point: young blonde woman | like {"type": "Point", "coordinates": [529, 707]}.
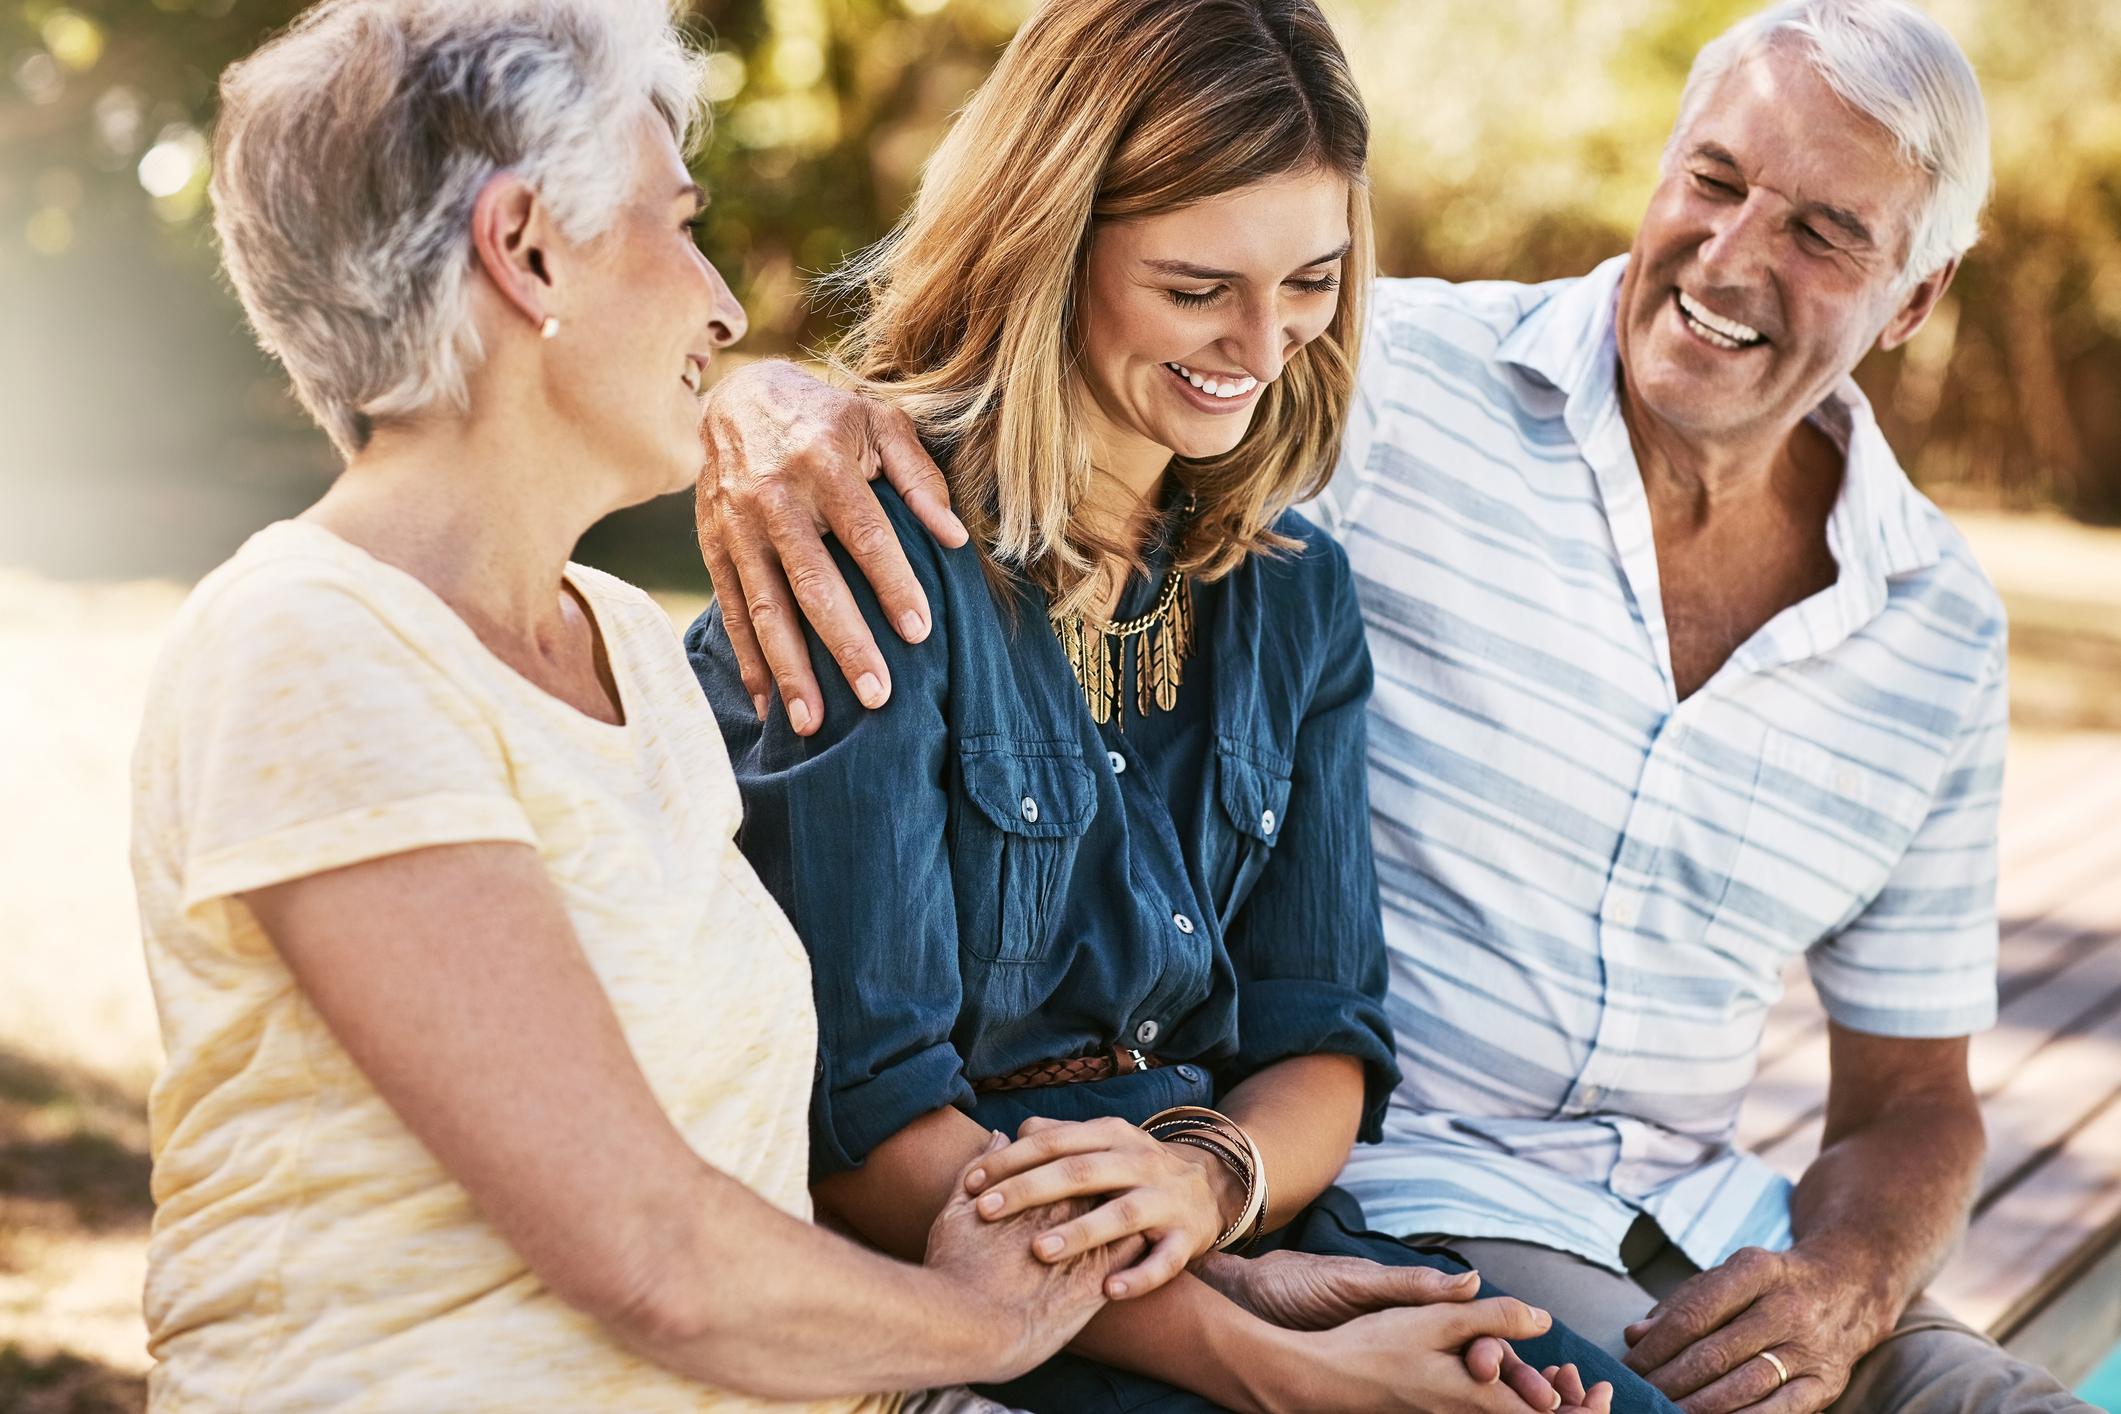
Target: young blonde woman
{"type": "Point", "coordinates": [1098, 876]}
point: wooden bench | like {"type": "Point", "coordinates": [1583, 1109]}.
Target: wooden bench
{"type": "Point", "coordinates": [2041, 1266]}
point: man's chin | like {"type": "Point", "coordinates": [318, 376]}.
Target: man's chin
{"type": "Point", "coordinates": [1700, 396]}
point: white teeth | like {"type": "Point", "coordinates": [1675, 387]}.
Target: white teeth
{"type": "Point", "coordinates": [692, 375]}
{"type": "Point", "coordinates": [1724, 333]}
{"type": "Point", "coordinates": [1215, 387]}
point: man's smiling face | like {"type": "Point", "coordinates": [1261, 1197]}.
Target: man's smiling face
{"type": "Point", "coordinates": [1770, 257]}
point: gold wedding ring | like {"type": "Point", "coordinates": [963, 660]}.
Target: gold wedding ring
{"type": "Point", "coordinates": [1782, 1371]}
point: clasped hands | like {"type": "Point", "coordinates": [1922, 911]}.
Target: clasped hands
{"type": "Point", "coordinates": [1379, 1336]}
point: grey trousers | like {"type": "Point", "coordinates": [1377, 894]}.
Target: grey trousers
{"type": "Point", "coordinates": [1932, 1363]}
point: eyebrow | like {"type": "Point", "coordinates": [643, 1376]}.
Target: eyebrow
{"type": "Point", "coordinates": [694, 190]}
{"type": "Point", "coordinates": [1840, 217]}
{"type": "Point", "coordinates": [1202, 272]}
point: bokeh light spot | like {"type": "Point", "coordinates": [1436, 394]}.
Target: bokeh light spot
{"type": "Point", "coordinates": [725, 77]}
{"type": "Point", "coordinates": [74, 39]}
{"type": "Point", "coordinates": [39, 78]}
{"type": "Point", "coordinates": [50, 231]}
{"type": "Point", "coordinates": [798, 62]}
{"type": "Point", "coordinates": [119, 120]}
{"type": "Point", "coordinates": [171, 163]}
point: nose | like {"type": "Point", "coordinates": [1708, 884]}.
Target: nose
{"type": "Point", "coordinates": [1260, 343]}
{"type": "Point", "coordinates": [726, 324]}
{"type": "Point", "coordinates": [1739, 240]}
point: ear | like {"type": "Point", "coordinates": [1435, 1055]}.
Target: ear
{"type": "Point", "coordinates": [514, 240]}
{"type": "Point", "coordinates": [1916, 306]}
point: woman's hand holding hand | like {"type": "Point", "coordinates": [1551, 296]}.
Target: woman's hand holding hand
{"type": "Point", "coordinates": [1177, 1197]}
{"type": "Point", "coordinates": [1040, 1305]}
{"type": "Point", "coordinates": [1448, 1358]}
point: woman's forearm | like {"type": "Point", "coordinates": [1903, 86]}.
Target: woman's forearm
{"type": "Point", "coordinates": [1188, 1334]}
{"type": "Point", "coordinates": [746, 1297]}
{"type": "Point", "coordinates": [1303, 1114]}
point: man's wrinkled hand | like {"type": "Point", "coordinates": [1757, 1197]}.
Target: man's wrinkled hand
{"type": "Point", "coordinates": [1303, 1292]}
{"type": "Point", "coordinates": [1701, 1345]}
{"type": "Point", "coordinates": [788, 457]}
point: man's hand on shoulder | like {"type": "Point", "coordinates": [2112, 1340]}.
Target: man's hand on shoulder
{"type": "Point", "coordinates": [1817, 1314]}
{"type": "Point", "coordinates": [788, 457]}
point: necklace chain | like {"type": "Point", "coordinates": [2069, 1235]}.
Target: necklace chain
{"type": "Point", "coordinates": [1093, 644]}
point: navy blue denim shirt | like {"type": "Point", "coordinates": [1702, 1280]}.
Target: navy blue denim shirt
{"type": "Point", "coordinates": [986, 878]}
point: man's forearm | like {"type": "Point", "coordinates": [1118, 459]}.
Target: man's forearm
{"type": "Point", "coordinates": [1890, 1197]}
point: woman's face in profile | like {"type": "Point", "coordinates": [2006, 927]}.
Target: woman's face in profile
{"type": "Point", "coordinates": [1187, 316]}
{"type": "Point", "coordinates": [644, 323]}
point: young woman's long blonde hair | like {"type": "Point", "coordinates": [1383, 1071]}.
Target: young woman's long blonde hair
{"type": "Point", "coordinates": [1106, 110]}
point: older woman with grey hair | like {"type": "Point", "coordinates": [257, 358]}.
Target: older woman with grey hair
{"type": "Point", "coordinates": [489, 1058]}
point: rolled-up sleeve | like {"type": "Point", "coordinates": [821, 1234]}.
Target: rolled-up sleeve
{"type": "Point", "coordinates": [848, 829]}
{"type": "Point", "coordinates": [1308, 943]}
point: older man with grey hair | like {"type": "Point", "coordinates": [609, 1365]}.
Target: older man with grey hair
{"type": "Point", "coordinates": [1678, 678]}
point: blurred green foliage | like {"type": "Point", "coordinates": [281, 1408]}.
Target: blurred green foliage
{"type": "Point", "coordinates": [141, 433]}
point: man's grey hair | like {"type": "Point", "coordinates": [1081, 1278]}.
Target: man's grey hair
{"type": "Point", "coordinates": [1897, 66]}
{"type": "Point", "coordinates": [349, 151]}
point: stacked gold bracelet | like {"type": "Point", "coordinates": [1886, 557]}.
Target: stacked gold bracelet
{"type": "Point", "coordinates": [1225, 1138]}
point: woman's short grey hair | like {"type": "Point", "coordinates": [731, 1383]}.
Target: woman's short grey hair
{"type": "Point", "coordinates": [349, 151]}
{"type": "Point", "coordinates": [1894, 64]}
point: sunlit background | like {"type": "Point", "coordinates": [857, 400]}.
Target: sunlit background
{"type": "Point", "coordinates": [142, 437]}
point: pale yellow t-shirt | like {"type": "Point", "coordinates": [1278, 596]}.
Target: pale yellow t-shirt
{"type": "Point", "coordinates": [314, 708]}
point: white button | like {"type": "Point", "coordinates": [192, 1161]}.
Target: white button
{"type": "Point", "coordinates": [1145, 1033]}
{"type": "Point", "coordinates": [1266, 822]}
{"type": "Point", "coordinates": [1621, 912]}
{"type": "Point", "coordinates": [1185, 924]}
{"type": "Point", "coordinates": [1030, 811]}
{"type": "Point", "coordinates": [1119, 763]}
{"type": "Point", "coordinates": [1845, 781]}
{"type": "Point", "coordinates": [1590, 1095]}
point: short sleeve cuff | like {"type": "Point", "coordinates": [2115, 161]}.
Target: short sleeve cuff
{"type": "Point", "coordinates": [1916, 1003]}
{"type": "Point", "coordinates": [852, 1120]}
{"type": "Point", "coordinates": [355, 837]}
{"type": "Point", "coordinates": [1280, 1018]}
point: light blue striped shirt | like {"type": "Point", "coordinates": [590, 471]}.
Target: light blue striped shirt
{"type": "Point", "coordinates": [1590, 887]}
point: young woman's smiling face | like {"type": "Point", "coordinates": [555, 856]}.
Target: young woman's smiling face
{"type": "Point", "coordinates": [1189, 315]}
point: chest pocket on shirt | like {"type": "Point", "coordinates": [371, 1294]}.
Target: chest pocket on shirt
{"type": "Point", "coordinates": [1255, 801]}
{"type": "Point", "coordinates": [1821, 836]}
{"type": "Point", "coordinates": [1038, 799]}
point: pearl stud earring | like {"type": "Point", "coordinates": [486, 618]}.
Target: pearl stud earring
{"type": "Point", "coordinates": [550, 329]}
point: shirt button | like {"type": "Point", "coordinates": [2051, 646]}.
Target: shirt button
{"type": "Point", "coordinates": [1266, 823]}
{"type": "Point", "coordinates": [1590, 1095]}
{"type": "Point", "coordinates": [1188, 1074]}
{"type": "Point", "coordinates": [1185, 924]}
{"type": "Point", "coordinates": [1621, 912]}
{"type": "Point", "coordinates": [1030, 811]}
{"type": "Point", "coordinates": [1119, 763]}
{"type": "Point", "coordinates": [1145, 1033]}
{"type": "Point", "coordinates": [1845, 781]}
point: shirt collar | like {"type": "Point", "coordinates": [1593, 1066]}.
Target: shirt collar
{"type": "Point", "coordinates": [1878, 530]}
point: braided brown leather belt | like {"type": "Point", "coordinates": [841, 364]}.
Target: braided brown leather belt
{"type": "Point", "coordinates": [1080, 1070]}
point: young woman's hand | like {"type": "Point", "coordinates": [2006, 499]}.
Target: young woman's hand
{"type": "Point", "coordinates": [1043, 1304]}
{"type": "Point", "coordinates": [1450, 1358]}
{"type": "Point", "coordinates": [1178, 1197]}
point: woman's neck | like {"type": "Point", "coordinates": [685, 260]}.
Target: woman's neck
{"type": "Point", "coordinates": [1124, 495]}
{"type": "Point", "coordinates": [485, 512]}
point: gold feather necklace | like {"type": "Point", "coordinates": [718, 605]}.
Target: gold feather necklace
{"type": "Point", "coordinates": [1163, 640]}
